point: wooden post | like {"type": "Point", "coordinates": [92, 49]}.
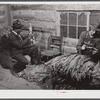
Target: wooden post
{"type": "Point", "coordinates": [8, 14]}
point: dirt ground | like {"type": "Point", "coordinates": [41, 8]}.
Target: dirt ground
{"type": "Point", "coordinates": [8, 81]}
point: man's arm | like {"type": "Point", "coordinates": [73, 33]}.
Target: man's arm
{"type": "Point", "coordinates": [80, 42]}
{"type": "Point", "coordinates": [17, 43]}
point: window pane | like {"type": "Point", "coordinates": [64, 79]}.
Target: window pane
{"type": "Point", "coordinates": [72, 31]}
{"type": "Point", "coordinates": [80, 30]}
{"type": "Point", "coordinates": [63, 31]}
{"type": "Point", "coordinates": [72, 18]}
{"type": "Point", "coordinates": [82, 18]}
{"type": "Point", "coordinates": [63, 18]}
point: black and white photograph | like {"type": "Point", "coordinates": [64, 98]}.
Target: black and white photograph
{"type": "Point", "coordinates": [50, 46]}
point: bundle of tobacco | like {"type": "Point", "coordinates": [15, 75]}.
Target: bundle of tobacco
{"type": "Point", "coordinates": [74, 72]}
{"type": "Point", "coordinates": [66, 72]}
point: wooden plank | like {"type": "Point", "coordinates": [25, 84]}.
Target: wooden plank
{"type": "Point", "coordinates": [8, 14]}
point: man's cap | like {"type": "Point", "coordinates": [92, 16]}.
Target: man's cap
{"type": "Point", "coordinates": [97, 28]}
{"type": "Point", "coordinates": [17, 24]}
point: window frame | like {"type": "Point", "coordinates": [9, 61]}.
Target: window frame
{"type": "Point", "coordinates": [58, 24]}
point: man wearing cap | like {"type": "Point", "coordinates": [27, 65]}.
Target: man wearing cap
{"type": "Point", "coordinates": [19, 47]}
{"type": "Point", "coordinates": [89, 43]}
{"type": "Point", "coordinates": [85, 37]}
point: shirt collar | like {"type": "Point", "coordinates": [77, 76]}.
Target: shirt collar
{"type": "Point", "coordinates": [14, 32]}
{"type": "Point", "coordinates": [89, 35]}
{"type": "Point", "coordinates": [17, 34]}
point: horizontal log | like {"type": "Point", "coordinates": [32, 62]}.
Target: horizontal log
{"type": "Point", "coordinates": [37, 15]}
{"type": "Point", "coordinates": [33, 7]}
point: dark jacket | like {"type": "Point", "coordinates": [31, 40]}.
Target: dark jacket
{"type": "Point", "coordinates": [4, 45]}
{"type": "Point", "coordinates": [16, 44]}
{"type": "Point", "coordinates": [93, 42]}
{"type": "Point", "coordinates": [85, 39]}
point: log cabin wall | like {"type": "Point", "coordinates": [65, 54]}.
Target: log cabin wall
{"type": "Point", "coordinates": [4, 15]}
{"type": "Point", "coordinates": [42, 18]}
{"type": "Point", "coordinates": [45, 20]}
{"type": "Point", "coordinates": [5, 19]}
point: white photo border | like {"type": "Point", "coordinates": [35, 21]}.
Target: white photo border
{"type": "Point", "coordinates": [50, 94]}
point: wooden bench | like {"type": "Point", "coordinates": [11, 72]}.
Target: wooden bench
{"type": "Point", "coordinates": [54, 48]}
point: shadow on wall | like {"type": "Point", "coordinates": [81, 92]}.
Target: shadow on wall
{"type": "Point", "coordinates": [41, 38]}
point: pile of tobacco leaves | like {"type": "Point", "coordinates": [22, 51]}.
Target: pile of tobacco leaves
{"type": "Point", "coordinates": [65, 72]}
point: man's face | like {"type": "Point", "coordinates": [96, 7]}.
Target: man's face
{"type": "Point", "coordinates": [24, 33]}
{"type": "Point", "coordinates": [18, 31]}
{"type": "Point", "coordinates": [91, 32]}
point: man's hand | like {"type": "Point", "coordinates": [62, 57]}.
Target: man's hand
{"type": "Point", "coordinates": [94, 51]}
{"type": "Point", "coordinates": [83, 47]}
{"type": "Point", "coordinates": [30, 36]}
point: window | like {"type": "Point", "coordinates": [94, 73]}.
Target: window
{"type": "Point", "coordinates": [73, 23]}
